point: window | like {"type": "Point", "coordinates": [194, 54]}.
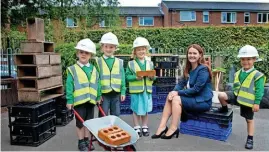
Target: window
{"type": "Point", "coordinates": [129, 21]}
{"type": "Point", "coordinates": [187, 16]}
{"type": "Point", "coordinates": [146, 21]}
{"type": "Point", "coordinates": [228, 17]}
{"type": "Point", "coordinates": [246, 17]}
{"type": "Point", "coordinates": [206, 17]}
{"type": "Point", "coordinates": [104, 23]}
{"type": "Point", "coordinates": [71, 22]}
{"type": "Point", "coordinates": [263, 17]}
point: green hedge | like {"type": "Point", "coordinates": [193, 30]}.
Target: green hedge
{"type": "Point", "coordinates": [208, 37]}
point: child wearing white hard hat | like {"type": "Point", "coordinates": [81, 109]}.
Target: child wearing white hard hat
{"type": "Point", "coordinates": [248, 90]}
{"type": "Point", "coordinates": [82, 77]}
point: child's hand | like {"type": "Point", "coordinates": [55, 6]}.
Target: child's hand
{"type": "Point", "coordinates": [151, 78]}
{"type": "Point", "coordinates": [69, 106]}
{"type": "Point", "coordinates": [139, 78]}
{"type": "Point", "coordinates": [122, 98]}
{"type": "Point", "coordinates": [172, 94]}
{"type": "Point", "coordinates": [256, 108]}
{"type": "Point", "coordinates": [100, 101]}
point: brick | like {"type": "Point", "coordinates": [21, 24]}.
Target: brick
{"type": "Point", "coordinates": [37, 47]}
{"type": "Point", "coordinates": [55, 59]}
{"type": "Point", "coordinates": [103, 133]}
{"type": "Point", "coordinates": [118, 138]}
{"type": "Point", "coordinates": [35, 29]}
{"type": "Point", "coordinates": [39, 71]}
{"type": "Point", "coordinates": [32, 59]}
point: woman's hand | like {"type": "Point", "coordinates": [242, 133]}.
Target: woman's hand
{"type": "Point", "coordinates": [172, 94]}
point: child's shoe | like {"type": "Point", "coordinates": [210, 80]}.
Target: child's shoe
{"type": "Point", "coordinates": [249, 144]}
{"type": "Point", "coordinates": [82, 145]}
{"type": "Point", "coordinates": [145, 131]}
{"type": "Point", "coordinates": [87, 143]}
{"type": "Point", "coordinates": [138, 130]}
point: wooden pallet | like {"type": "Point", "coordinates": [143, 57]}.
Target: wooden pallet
{"type": "Point", "coordinates": [32, 71]}
{"type": "Point", "coordinates": [40, 95]}
{"type": "Point", "coordinates": [32, 84]}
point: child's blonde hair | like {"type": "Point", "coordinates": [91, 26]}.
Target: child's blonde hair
{"type": "Point", "coordinates": [133, 56]}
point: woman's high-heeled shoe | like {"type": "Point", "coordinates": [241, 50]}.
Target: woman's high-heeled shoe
{"type": "Point", "coordinates": [158, 136]}
{"type": "Point", "coordinates": [169, 137]}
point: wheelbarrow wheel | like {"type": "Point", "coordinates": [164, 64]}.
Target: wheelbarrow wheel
{"type": "Point", "coordinates": [130, 148]}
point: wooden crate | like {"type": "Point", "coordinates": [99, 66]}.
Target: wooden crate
{"type": "Point", "coordinates": [32, 59]}
{"type": "Point", "coordinates": [35, 29]}
{"type": "Point", "coordinates": [37, 47]}
{"type": "Point", "coordinates": [55, 59]}
{"type": "Point", "coordinates": [31, 71]}
{"type": "Point", "coordinates": [40, 95]}
{"type": "Point", "coordinates": [37, 84]}
{"type": "Point", "coordinates": [9, 95]}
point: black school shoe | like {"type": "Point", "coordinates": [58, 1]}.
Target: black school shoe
{"type": "Point", "coordinates": [249, 144]}
{"type": "Point", "coordinates": [82, 146]}
{"type": "Point", "coordinates": [87, 143]}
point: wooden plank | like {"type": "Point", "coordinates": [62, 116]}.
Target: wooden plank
{"type": "Point", "coordinates": [32, 59]}
{"type": "Point", "coordinates": [40, 95]}
{"type": "Point", "coordinates": [37, 47]}
{"type": "Point", "coordinates": [55, 59]}
{"type": "Point", "coordinates": [37, 84]}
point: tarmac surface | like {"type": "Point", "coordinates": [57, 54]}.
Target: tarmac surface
{"type": "Point", "coordinates": [66, 140]}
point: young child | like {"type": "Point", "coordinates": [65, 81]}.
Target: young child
{"type": "Point", "coordinates": [112, 75]}
{"type": "Point", "coordinates": [248, 89]}
{"type": "Point", "coordinates": [83, 89]}
{"type": "Point", "coordinates": [140, 88]}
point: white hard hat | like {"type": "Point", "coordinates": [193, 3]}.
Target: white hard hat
{"type": "Point", "coordinates": [86, 45]}
{"type": "Point", "coordinates": [109, 38]}
{"type": "Point", "coordinates": [141, 41]}
{"type": "Point", "coordinates": [248, 51]}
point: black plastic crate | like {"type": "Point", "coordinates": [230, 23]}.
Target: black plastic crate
{"type": "Point", "coordinates": [166, 64]}
{"type": "Point", "coordinates": [32, 135]}
{"type": "Point", "coordinates": [64, 117]}
{"type": "Point", "coordinates": [31, 113]}
{"type": "Point", "coordinates": [160, 89]}
{"type": "Point", "coordinates": [214, 116]}
{"type": "Point", "coordinates": [165, 80]}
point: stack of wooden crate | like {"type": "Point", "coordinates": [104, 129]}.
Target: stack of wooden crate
{"type": "Point", "coordinates": [39, 69]}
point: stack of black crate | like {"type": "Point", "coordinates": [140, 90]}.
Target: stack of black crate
{"type": "Point", "coordinates": [63, 115]}
{"type": "Point", "coordinates": [32, 124]}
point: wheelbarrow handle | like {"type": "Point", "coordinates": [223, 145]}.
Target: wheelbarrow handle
{"type": "Point", "coordinates": [101, 110]}
{"type": "Point", "coordinates": [78, 116]}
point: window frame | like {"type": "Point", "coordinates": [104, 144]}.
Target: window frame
{"type": "Point", "coordinates": [129, 18]}
{"type": "Point", "coordinates": [231, 17]}
{"type": "Point", "coordinates": [204, 14]}
{"type": "Point", "coordinates": [75, 22]}
{"type": "Point", "coordinates": [143, 17]}
{"type": "Point", "coordinates": [247, 14]}
{"type": "Point", "coordinates": [267, 18]}
{"type": "Point", "coordinates": [190, 15]}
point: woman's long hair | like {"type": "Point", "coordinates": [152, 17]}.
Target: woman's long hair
{"type": "Point", "coordinates": [201, 60]}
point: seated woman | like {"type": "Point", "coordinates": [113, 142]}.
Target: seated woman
{"type": "Point", "coordinates": [197, 95]}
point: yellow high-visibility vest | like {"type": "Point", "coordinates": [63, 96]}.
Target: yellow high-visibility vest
{"type": "Point", "coordinates": [245, 92]}
{"type": "Point", "coordinates": [84, 90]}
{"type": "Point", "coordinates": [110, 80]}
{"type": "Point", "coordinates": [138, 86]}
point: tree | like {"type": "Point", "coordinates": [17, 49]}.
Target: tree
{"type": "Point", "coordinates": [93, 10]}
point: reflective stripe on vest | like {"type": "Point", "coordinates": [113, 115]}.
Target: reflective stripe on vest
{"type": "Point", "coordinates": [138, 85]}
{"type": "Point", "coordinates": [245, 92]}
{"type": "Point", "coordinates": [110, 80]}
{"type": "Point", "coordinates": [84, 91]}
